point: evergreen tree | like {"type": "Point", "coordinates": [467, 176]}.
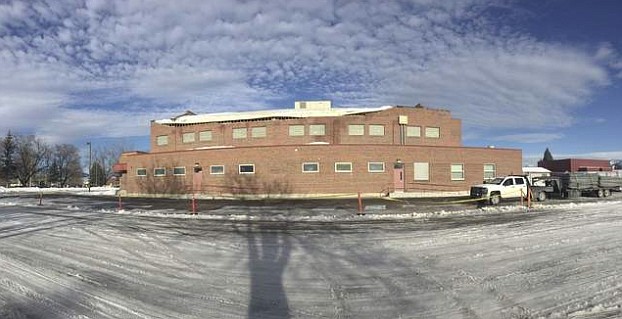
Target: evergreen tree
{"type": "Point", "coordinates": [547, 155]}
{"type": "Point", "coordinates": [7, 158]}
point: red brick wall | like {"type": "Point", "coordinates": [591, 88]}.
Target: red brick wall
{"type": "Point", "coordinates": [576, 165]}
{"type": "Point", "coordinates": [279, 168]}
{"type": "Point", "coordinates": [336, 130]}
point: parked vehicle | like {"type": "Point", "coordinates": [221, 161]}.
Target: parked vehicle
{"type": "Point", "coordinates": [560, 185]}
{"type": "Point", "coordinates": [513, 186]}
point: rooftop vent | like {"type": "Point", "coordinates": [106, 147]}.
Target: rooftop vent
{"type": "Point", "coordinates": [313, 105]}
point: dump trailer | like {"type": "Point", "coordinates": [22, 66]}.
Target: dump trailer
{"type": "Point", "coordinates": [576, 184]}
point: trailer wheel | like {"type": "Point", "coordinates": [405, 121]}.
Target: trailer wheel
{"type": "Point", "coordinates": [599, 193]}
{"type": "Point", "coordinates": [541, 196]}
{"type": "Point", "coordinates": [495, 199]}
{"type": "Point", "coordinates": [606, 193]}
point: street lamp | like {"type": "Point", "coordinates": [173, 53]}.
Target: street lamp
{"type": "Point", "coordinates": [90, 157]}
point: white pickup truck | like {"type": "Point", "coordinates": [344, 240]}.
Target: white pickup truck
{"type": "Point", "coordinates": [513, 186]}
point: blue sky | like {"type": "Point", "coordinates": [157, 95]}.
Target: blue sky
{"type": "Point", "coordinates": [520, 74]}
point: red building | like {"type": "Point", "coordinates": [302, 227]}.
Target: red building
{"type": "Point", "coordinates": [576, 165]}
{"type": "Point", "coordinates": [312, 150]}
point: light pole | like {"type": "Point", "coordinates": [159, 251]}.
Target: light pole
{"type": "Point", "coordinates": [90, 158]}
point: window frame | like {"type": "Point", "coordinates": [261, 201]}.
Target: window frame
{"type": "Point", "coordinates": [162, 140]}
{"type": "Point", "coordinates": [429, 129]}
{"type": "Point", "coordinates": [462, 173]}
{"type": "Point", "coordinates": [344, 171]}
{"type": "Point", "coordinates": [246, 165]}
{"type": "Point", "coordinates": [317, 164]}
{"type": "Point", "coordinates": [409, 128]}
{"type": "Point", "coordinates": [417, 167]}
{"type": "Point", "coordinates": [294, 128]}
{"type": "Point", "coordinates": [355, 129]}
{"type": "Point", "coordinates": [239, 130]}
{"type": "Point", "coordinates": [183, 137]}
{"type": "Point", "coordinates": [203, 134]}
{"type": "Point", "coordinates": [259, 132]}
{"type": "Point", "coordinates": [370, 170]}
{"type": "Point", "coordinates": [211, 170]}
{"type": "Point", "coordinates": [494, 171]}
{"type": "Point", "coordinates": [313, 129]}
{"type": "Point", "coordinates": [155, 169]}
{"type": "Point", "coordinates": [141, 169]}
{"type": "Point", "coordinates": [179, 174]}
{"type": "Point", "coordinates": [373, 132]}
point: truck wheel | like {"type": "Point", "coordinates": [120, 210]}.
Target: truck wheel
{"type": "Point", "coordinates": [599, 193]}
{"type": "Point", "coordinates": [606, 193]}
{"type": "Point", "coordinates": [541, 196]}
{"type": "Point", "coordinates": [495, 199]}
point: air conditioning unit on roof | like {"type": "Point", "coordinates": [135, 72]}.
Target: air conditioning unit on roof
{"type": "Point", "coordinates": [313, 105]}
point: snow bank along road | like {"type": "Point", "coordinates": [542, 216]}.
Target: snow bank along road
{"type": "Point", "coordinates": [80, 258]}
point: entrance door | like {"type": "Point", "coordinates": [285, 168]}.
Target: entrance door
{"type": "Point", "coordinates": [398, 177]}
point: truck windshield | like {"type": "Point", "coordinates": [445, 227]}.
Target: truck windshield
{"type": "Point", "coordinates": [496, 181]}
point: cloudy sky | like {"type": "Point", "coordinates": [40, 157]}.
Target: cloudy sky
{"type": "Point", "coordinates": [527, 74]}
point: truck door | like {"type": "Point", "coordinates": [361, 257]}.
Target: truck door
{"type": "Point", "coordinates": [507, 191]}
{"type": "Point", "coordinates": [520, 187]}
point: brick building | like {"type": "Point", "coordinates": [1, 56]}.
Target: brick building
{"type": "Point", "coordinates": [312, 150]}
{"type": "Point", "coordinates": [577, 165]}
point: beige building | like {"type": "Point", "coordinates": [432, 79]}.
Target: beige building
{"type": "Point", "coordinates": [312, 150]}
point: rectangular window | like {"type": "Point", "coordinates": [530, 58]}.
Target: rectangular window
{"type": "Point", "coordinates": [413, 131]}
{"type": "Point", "coordinates": [162, 140]}
{"type": "Point", "coordinates": [246, 169]}
{"type": "Point", "coordinates": [312, 167]}
{"type": "Point", "coordinates": [159, 171]}
{"type": "Point", "coordinates": [188, 137]}
{"type": "Point", "coordinates": [457, 172]}
{"type": "Point", "coordinates": [433, 132]}
{"type": "Point", "coordinates": [179, 170]}
{"type": "Point", "coordinates": [296, 130]}
{"type": "Point", "coordinates": [490, 171]}
{"type": "Point", "coordinates": [376, 130]}
{"type": "Point", "coordinates": [422, 171]}
{"type": "Point", "coordinates": [356, 129]}
{"type": "Point", "coordinates": [343, 167]}
{"type": "Point", "coordinates": [141, 172]}
{"type": "Point", "coordinates": [317, 129]}
{"type": "Point", "coordinates": [258, 131]}
{"type": "Point", "coordinates": [375, 167]}
{"type": "Point", "coordinates": [205, 136]}
{"type": "Point", "coordinates": [217, 169]}
{"type": "Point", "coordinates": [239, 133]}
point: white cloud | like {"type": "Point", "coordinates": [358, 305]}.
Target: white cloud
{"type": "Point", "coordinates": [529, 138]}
{"type": "Point", "coordinates": [162, 57]}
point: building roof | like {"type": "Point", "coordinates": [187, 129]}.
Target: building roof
{"type": "Point", "coordinates": [531, 169]}
{"type": "Point", "coordinates": [191, 118]}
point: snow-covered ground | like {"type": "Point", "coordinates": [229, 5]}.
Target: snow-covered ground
{"type": "Point", "coordinates": [94, 191]}
{"type": "Point", "coordinates": [81, 257]}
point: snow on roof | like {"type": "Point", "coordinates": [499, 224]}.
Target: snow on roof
{"type": "Point", "coordinates": [189, 118]}
{"type": "Point", "coordinates": [532, 169]}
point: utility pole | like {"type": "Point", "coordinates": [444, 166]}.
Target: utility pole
{"type": "Point", "coordinates": [90, 158]}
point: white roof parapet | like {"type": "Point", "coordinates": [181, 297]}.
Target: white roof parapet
{"type": "Point", "coordinates": [266, 114]}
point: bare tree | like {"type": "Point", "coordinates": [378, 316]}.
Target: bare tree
{"type": "Point", "coordinates": [31, 157]}
{"type": "Point", "coordinates": [65, 165]}
{"type": "Point", "coordinates": [106, 156]}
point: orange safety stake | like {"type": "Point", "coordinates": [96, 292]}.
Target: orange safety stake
{"type": "Point", "coordinates": [120, 203]}
{"type": "Point", "coordinates": [360, 205]}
